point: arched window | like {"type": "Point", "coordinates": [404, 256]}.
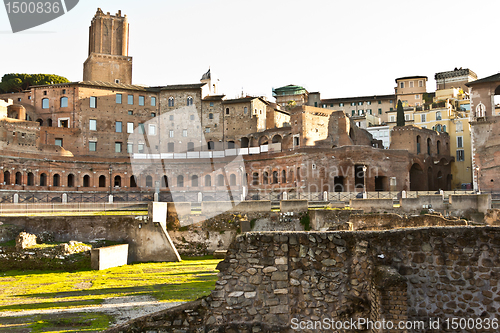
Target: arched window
{"type": "Point", "coordinates": [418, 144]}
{"type": "Point", "coordinates": [189, 101]}
{"type": "Point", "coordinates": [444, 128]}
{"type": "Point", "coordinates": [164, 181]}
{"type": "Point", "coordinates": [19, 178]}
{"type": "Point", "coordinates": [64, 102]}
{"type": "Point", "coordinates": [277, 138]}
{"type": "Point", "coordinates": [170, 101]}
{"type": "Point", "coordinates": [180, 181]}
{"type": "Point", "coordinates": [220, 180]}
{"type": "Point", "coordinates": [480, 110]}
{"type": "Point", "coordinates": [190, 146]}
{"type": "Point", "coordinates": [31, 179]}
{"type": "Point", "coordinates": [56, 180]}
{"type": "Point", "coordinates": [133, 181]}
{"type": "Point", "coordinates": [265, 178]}
{"type": "Point", "coordinates": [211, 145]}
{"type": "Point", "coordinates": [208, 180]}
{"type": "Point", "coordinates": [232, 180]}
{"type": "Point", "coordinates": [149, 181]}
{"type": "Point", "coordinates": [40, 121]}
{"type": "Point", "coordinates": [102, 181]}
{"type": "Point", "coordinates": [438, 147]}
{"type": "Point", "coordinates": [283, 176]}
{"type": "Point", "coordinates": [71, 180]}
{"type": "Point", "coordinates": [49, 122]}
{"type": "Point", "coordinates": [45, 103]}
{"type": "Point", "coordinates": [275, 177]}
{"type": "Point", "coordinates": [194, 181]}
{"type": "Point", "coordinates": [255, 178]}
{"type": "Point", "coordinates": [43, 179]}
{"type": "Point", "coordinates": [429, 146]}
{"type": "Point", "coordinates": [118, 181]}
{"type": "Point", "coordinates": [86, 181]}
{"type": "Point", "coordinates": [290, 176]}
{"type": "Point", "coordinates": [230, 145]}
{"type": "Point", "coordinates": [210, 116]}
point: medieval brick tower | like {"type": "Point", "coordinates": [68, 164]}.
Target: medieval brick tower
{"type": "Point", "coordinates": [108, 59]}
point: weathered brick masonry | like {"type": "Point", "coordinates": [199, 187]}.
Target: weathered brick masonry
{"type": "Point", "coordinates": [268, 279]}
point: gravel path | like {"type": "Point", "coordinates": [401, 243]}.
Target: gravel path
{"type": "Point", "coordinates": [122, 309]}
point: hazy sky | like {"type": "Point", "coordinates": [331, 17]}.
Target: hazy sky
{"type": "Point", "coordinates": [340, 48]}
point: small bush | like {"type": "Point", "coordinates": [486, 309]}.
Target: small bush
{"type": "Point", "coordinates": [306, 222]}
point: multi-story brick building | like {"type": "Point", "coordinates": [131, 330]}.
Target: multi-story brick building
{"type": "Point", "coordinates": [106, 134]}
{"type": "Point", "coordinates": [485, 130]}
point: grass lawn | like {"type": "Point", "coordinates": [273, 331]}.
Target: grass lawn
{"type": "Point", "coordinates": [32, 290]}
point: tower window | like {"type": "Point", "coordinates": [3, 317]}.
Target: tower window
{"type": "Point", "coordinates": [93, 102]}
{"type": "Point", "coordinates": [64, 102]}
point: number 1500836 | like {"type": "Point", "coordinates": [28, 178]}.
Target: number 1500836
{"type": "Point", "coordinates": [33, 7]}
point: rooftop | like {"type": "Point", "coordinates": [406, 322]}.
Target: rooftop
{"type": "Point", "coordinates": [289, 90]}
{"type": "Point", "coordinates": [455, 73]}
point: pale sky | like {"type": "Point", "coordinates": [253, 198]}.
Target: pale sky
{"type": "Point", "coordinates": [340, 48]}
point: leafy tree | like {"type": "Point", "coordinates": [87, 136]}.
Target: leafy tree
{"type": "Point", "coordinates": [400, 120]}
{"type": "Point", "coordinates": [19, 82]}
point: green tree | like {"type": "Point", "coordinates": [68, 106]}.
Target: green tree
{"type": "Point", "coordinates": [19, 82]}
{"type": "Point", "coordinates": [400, 120]}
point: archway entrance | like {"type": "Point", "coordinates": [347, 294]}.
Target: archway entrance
{"type": "Point", "coordinates": [417, 178]}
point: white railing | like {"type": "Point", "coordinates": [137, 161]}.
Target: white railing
{"type": "Point", "coordinates": [273, 147]}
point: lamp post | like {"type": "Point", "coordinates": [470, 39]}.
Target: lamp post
{"type": "Point", "coordinates": [365, 195]}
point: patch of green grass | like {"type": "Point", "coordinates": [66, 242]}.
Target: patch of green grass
{"type": "Point", "coordinates": [9, 243]}
{"type": "Point", "coordinates": [252, 223]}
{"type": "Point", "coordinates": [169, 282]}
{"type": "Point", "coordinates": [70, 322]}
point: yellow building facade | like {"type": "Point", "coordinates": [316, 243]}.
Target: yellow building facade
{"type": "Point", "coordinates": [452, 116]}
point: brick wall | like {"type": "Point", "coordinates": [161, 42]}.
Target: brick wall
{"type": "Point", "coordinates": [268, 279]}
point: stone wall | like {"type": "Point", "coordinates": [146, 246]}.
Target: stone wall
{"type": "Point", "coordinates": [269, 279]}
{"type": "Point", "coordinates": [147, 242]}
{"type": "Point", "coordinates": [372, 205]}
{"type": "Point", "coordinates": [394, 221]}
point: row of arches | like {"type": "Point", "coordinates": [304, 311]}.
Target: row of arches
{"type": "Point", "coordinates": [274, 177]}
{"type": "Point", "coordinates": [263, 140]}
{"type": "Point", "coordinates": [430, 147]}
{"type": "Point", "coordinates": [117, 181]}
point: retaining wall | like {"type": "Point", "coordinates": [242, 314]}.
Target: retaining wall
{"type": "Point", "coordinates": [147, 241]}
{"type": "Point", "coordinates": [416, 204]}
{"type": "Point", "coordinates": [270, 280]}
{"type": "Point", "coordinates": [295, 206]}
{"type": "Point", "coordinates": [372, 205]}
